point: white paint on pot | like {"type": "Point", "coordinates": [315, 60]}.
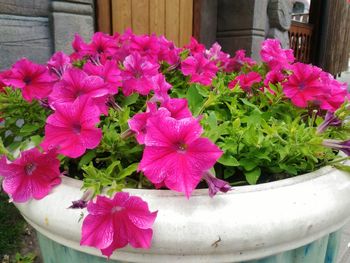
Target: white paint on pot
{"type": "Point", "coordinates": [247, 223]}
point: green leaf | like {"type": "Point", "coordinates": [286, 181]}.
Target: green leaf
{"type": "Point", "coordinates": [111, 167]}
{"type": "Point", "coordinates": [195, 100]}
{"type": "Point", "coordinates": [128, 171]}
{"type": "Point", "coordinates": [228, 160]}
{"type": "Point", "coordinates": [248, 164]}
{"type": "Point", "coordinates": [87, 158]}
{"type": "Point", "coordinates": [36, 139]}
{"type": "Point", "coordinates": [342, 167]}
{"type": "Point", "coordinates": [253, 176]}
{"type": "Point", "coordinates": [28, 128]}
{"type": "Point", "coordinates": [129, 100]}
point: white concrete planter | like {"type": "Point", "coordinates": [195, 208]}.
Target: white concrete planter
{"type": "Point", "coordinates": [250, 222]}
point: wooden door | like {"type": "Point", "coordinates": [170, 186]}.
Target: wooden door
{"type": "Point", "coordinates": [172, 18]}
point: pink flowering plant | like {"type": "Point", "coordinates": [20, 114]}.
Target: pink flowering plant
{"type": "Point", "coordinates": [135, 111]}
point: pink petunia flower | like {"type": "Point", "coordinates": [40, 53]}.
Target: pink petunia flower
{"type": "Point", "coordinates": [175, 154]}
{"type": "Point", "coordinates": [58, 64]}
{"type": "Point", "coordinates": [175, 108]}
{"type": "Point", "coordinates": [113, 223]}
{"type": "Point", "coordinates": [273, 77]}
{"type": "Point", "coordinates": [33, 79]}
{"type": "Point", "coordinates": [215, 54]}
{"type": "Point", "coordinates": [101, 45]}
{"type": "Point", "coordinates": [138, 74]}
{"type": "Point", "coordinates": [161, 87]}
{"type": "Point", "coordinates": [32, 175]}
{"type": "Point", "coordinates": [334, 93]}
{"type": "Point", "coordinates": [146, 46]}
{"type": "Point", "coordinates": [77, 84]}
{"type": "Point", "coordinates": [72, 128]}
{"type": "Point", "coordinates": [138, 122]}
{"type": "Point", "coordinates": [215, 185]}
{"type": "Point", "coordinates": [343, 146]}
{"type": "Point", "coordinates": [195, 47]}
{"type": "Point", "coordinates": [79, 47]}
{"type": "Point", "coordinates": [168, 52]}
{"type": "Point", "coordinates": [245, 81]}
{"type": "Point", "coordinates": [304, 85]}
{"type": "Point", "coordinates": [329, 120]}
{"type": "Point", "coordinates": [238, 61]}
{"type": "Point", "coordinates": [178, 108]}
{"type": "Point", "coordinates": [200, 69]}
{"type": "Point", "coordinates": [109, 72]}
{"type": "Point", "coordinates": [276, 57]}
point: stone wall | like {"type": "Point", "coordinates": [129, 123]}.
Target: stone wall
{"type": "Point", "coordinates": [36, 28]}
{"type": "Point", "coordinates": [24, 31]}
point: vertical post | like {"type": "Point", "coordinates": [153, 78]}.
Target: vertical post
{"type": "Point", "coordinates": [205, 21]}
{"type": "Point", "coordinates": [68, 18]}
{"type": "Point", "coordinates": [241, 25]}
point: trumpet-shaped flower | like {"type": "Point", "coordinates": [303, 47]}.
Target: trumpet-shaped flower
{"type": "Point", "coordinates": [329, 120]}
{"type": "Point", "coordinates": [200, 69]}
{"type": "Point", "coordinates": [101, 44]}
{"type": "Point", "coordinates": [138, 74]}
{"type": "Point", "coordinates": [168, 52]}
{"type": "Point", "coordinates": [32, 175]}
{"type": "Point", "coordinates": [175, 154]}
{"type": "Point", "coordinates": [33, 79]}
{"type": "Point", "coordinates": [304, 85]}
{"type": "Point", "coordinates": [215, 54]}
{"type": "Point", "coordinates": [113, 223]}
{"type": "Point", "coordinates": [58, 64]}
{"type": "Point", "coordinates": [146, 46]}
{"type": "Point", "coordinates": [343, 146]}
{"type": "Point", "coordinates": [138, 122]}
{"type": "Point", "coordinates": [273, 54]}
{"type": "Point", "coordinates": [334, 93]}
{"type": "Point", "coordinates": [178, 108]}
{"type": "Point", "coordinates": [273, 77]}
{"type": "Point", "coordinates": [215, 185]}
{"type": "Point", "coordinates": [76, 84]}
{"type": "Point", "coordinates": [161, 87]}
{"type": "Point", "coordinates": [72, 128]}
{"type": "Point", "coordinates": [246, 81]}
{"type": "Point", "coordinates": [238, 61]}
{"type": "Point", "coordinates": [109, 72]}
{"type": "Point", "coordinates": [195, 47]}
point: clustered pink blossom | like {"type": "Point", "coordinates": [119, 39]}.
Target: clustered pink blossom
{"type": "Point", "coordinates": [276, 57]}
{"type": "Point", "coordinates": [80, 89]}
{"type": "Point", "coordinates": [310, 85]}
{"type": "Point", "coordinates": [199, 68]}
{"type": "Point", "coordinates": [238, 61]}
{"type": "Point", "coordinates": [246, 81]}
{"type": "Point", "coordinates": [32, 175]}
{"type": "Point", "coordinates": [71, 129]}
{"type": "Point", "coordinates": [175, 155]}
{"type": "Point", "coordinates": [113, 223]}
{"type": "Point", "coordinates": [33, 79]}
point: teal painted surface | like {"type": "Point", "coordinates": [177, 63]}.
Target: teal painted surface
{"type": "Point", "coordinates": [324, 250]}
{"type": "Point", "coordinates": [53, 252]}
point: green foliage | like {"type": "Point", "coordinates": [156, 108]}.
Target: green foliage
{"type": "Point", "coordinates": [28, 258]}
{"type": "Point", "coordinates": [22, 120]}
{"type": "Point", "coordinates": [264, 136]}
{"type": "Point", "coordinates": [112, 166]}
{"type": "Point", "coordinates": [11, 227]}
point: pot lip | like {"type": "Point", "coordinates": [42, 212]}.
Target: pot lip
{"type": "Point", "coordinates": [324, 171]}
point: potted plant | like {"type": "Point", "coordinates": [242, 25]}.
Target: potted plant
{"type": "Point", "coordinates": [138, 150]}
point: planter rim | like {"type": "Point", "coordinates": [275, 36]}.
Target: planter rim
{"type": "Point", "coordinates": [275, 217]}
{"type": "Point", "coordinates": [235, 189]}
